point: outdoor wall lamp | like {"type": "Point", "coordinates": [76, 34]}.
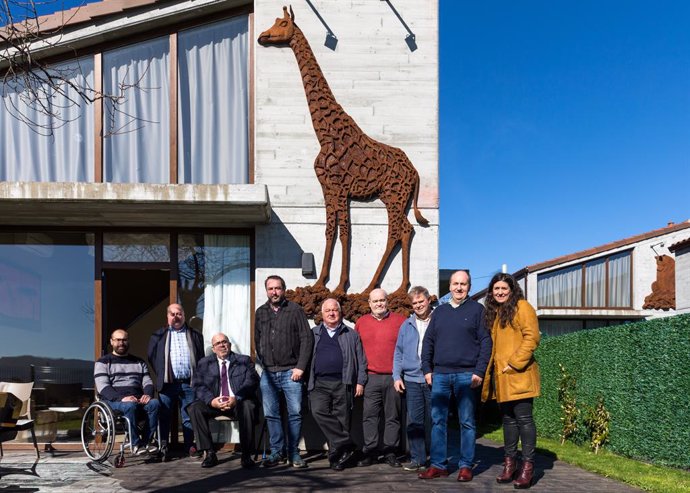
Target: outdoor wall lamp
{"type": "Point", "coordinates": [410, 39]}
{"type": "Point", "coordinates": [331, 39]}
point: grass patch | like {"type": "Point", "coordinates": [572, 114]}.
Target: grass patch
{"type": "Point", "coordinates": [657, 479]}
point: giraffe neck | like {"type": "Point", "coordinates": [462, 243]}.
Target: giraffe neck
{"type": "Point", "coordinates": [322, 103]}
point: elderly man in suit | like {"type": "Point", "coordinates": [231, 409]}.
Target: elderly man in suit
{"type": "Point", "coordinates": [225, 383]}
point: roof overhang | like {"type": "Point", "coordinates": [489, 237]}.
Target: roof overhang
{"type": "Point", "coordinates": [133, 205]}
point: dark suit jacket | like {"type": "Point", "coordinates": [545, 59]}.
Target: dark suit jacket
{"type": "Point", "coordinates": [156, 352]}
{"type": "Point", "coordinates": [243, 377]}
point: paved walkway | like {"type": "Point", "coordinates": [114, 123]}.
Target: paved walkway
{"type": "Point", "coordinates": [72, 472]}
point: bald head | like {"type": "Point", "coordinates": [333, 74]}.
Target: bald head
{"type": "Point", "coordinates": [331, 313]}
{"type": "Point", "coordinates": [378, 303]}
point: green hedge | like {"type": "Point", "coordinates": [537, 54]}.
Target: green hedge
{"type": "Point", "coordinates": [643, 372]}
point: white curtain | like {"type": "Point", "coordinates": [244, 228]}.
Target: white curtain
{"type": "Point", "coordinates": [137, 127]}
{"type": "Point", "coordinates": [619, 280]}
{"type": "Point", "coordinates": [213, 117]}
{"type": "Point", "coordinates": [595, 283]}
{"type": "Point", "coordinates": [227, 290]}
{"type": "Point", "coordinates": [28, 152]}
{"type": "Point", "coordinates": [562, 288]}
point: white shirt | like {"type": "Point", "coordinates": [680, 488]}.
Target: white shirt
{"type": "Point", "coordinates": [421, 327]}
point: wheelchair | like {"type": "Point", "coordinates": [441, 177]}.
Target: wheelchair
{"type": "Point", "coordinates": [98, 429]}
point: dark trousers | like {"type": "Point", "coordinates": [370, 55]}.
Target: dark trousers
{"type": "Point", "coordinates": [518, 424]}
{"type": "Point", "coordinates": [245, 412]}
{"type": "Point", "coordinates": [331, 406]}
{"type": "Point", "coordinates": [380, 395]}
{"type": "Point", "coordinates": [418, 397]}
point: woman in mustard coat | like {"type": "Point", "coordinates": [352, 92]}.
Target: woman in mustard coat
{"type": "Point", "coordinates": [513, 374]}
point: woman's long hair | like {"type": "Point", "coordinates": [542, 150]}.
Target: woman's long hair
{"type": "Point", "coordinates": [504, 311]}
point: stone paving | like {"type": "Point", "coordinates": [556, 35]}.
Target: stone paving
{"type": "Point", "coordinates": [73, 472]}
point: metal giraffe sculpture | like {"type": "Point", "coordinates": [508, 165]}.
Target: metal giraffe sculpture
{"type": "Point", "coordinates": [350, 164]}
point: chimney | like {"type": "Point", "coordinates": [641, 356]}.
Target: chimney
{"type": "Point", "coordinates": [670, 223]}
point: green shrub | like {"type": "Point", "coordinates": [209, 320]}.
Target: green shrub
{"type": "Point", "coordinates": [642, 370]}
{"type": "Point", "coordinates": [597, 421]}
{"type": "Point", "coordinates": [566, 396]}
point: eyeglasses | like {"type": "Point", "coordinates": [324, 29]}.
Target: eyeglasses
{"type": "Point", "coordinates": [221, 343]}
{"type": "Point", "coordinates": [119, 340]}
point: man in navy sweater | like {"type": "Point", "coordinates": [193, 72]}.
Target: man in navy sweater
{"type": "Point", "coordinates": [455, 354]}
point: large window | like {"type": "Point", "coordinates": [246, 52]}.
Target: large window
{"type": "Point", "coordinates": [137, 125]}
{"type": "Point", "coordinates": [213, 101]}
{"type": "Point", "coordinates": [53, 143]}
{"type": "Point", "coordinates": [46, 323]}
{"type": "Point", "coordinates": [601, 283]}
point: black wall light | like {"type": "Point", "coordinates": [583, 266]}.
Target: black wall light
{"type": "Point", "coordinates": [331, 39]}
{"type": "Point", "coordinates": [410, 39]}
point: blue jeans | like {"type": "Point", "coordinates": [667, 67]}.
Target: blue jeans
{"type": "Point", "coordinates": [170, 395]}
{"type": "Point", "coordinates": [272, 384]}
{"type": "Point", "coordinates": [129, 409]}
{"type": "Point", "coordinates": [418, 398]}
{"type": "Point", "coordinates": [459, 385]}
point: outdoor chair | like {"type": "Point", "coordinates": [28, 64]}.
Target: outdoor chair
{"type": "Point", "coordinates": [16, 412]}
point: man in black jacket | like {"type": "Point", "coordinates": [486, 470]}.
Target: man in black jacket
{"type": "Point", "coordinates": [338, 375]}
{"type": "Point", "coordinates": [284, 343]}
{"type": "Point", "coordinates": [173, 353]}
{"type": "Point", "coordinates": [225, 383]}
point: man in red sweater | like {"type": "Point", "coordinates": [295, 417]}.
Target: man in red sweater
{"type": "Point", "coordinates": [379, 333]}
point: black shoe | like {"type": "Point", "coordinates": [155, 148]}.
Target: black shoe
{"type": "Point", "coordinates": [342, 461]}
{"type": "Point", "coordinates": [210, 460]}
{"type": "Point", "coordinates": [392, 460]}
{"type": "Point", "coordinates": [248, 463]}
{"type": "Point", "coordinates": [365, 461]}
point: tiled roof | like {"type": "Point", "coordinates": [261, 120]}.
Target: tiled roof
{"type": "Point", "coordinates": [88, 12]}
{"type": "Point", "coordinates": [681, 244]}
{"type": "Point", "coordinates": [609, 246]}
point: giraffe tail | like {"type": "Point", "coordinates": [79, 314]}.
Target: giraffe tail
{"type": "Point", "coordinates": [418, 215]}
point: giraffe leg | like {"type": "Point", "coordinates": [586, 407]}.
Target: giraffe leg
{"type": "Point", "coordinates": [405, 243]}
{"type": "Point", "coordinates": [344, 234]}
{"type": "Point", "coordinates": [331, 216]}
{"type": "Point", "coordinates": [398, 227]}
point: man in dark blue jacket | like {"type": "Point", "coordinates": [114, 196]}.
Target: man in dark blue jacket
{"type": "Point", "coordinates": [225, 383]}
{"type": "Point", "coordinates": [455, 354]}
{"type": "Point", "coordinates": [173, 353]}
{"type": "Point", "coordinates": [338, 375]}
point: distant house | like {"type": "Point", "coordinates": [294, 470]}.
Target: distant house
{"type": "Point", "coordinates": [642, 277]}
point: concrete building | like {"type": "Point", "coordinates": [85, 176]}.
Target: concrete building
{"type": "Point", "coordinates": [637, 278]}
{"type": "Point", "coordinates": [195, 178]}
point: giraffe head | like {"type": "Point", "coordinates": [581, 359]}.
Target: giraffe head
{"type": "Point", "coordinates": [281, 32]}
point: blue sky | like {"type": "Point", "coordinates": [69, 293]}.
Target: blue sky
{"type": "Point", "coordinates": [563, 125]}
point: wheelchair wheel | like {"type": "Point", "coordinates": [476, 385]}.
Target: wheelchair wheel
{"type": "Point", "coordinates": [98, 431]}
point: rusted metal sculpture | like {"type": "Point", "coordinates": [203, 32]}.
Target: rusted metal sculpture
{"type": "Point", "coordinates": [663, 295]}
{"type": "Point", "coordinates": [350, 165]}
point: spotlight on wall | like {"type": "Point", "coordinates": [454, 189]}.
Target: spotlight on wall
{"type": "Point", "coordinates": [331, 39]}
{"type": "Point", "coordinates": [308, 265]}
{"type": "Point", "coordinates": [410, 39]}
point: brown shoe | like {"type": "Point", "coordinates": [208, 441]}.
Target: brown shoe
{"type": "Point", "coordinates": [509, 468]}
{"type": "Point", "coordinates": [465, 475]}
{"type": "Point", "coordinates": [524, 479]}
{"type": "Point", "coordinates": [433, 472]}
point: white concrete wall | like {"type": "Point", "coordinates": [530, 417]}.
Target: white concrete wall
{"type": "Point", "coordinates": [391, 93]}
{"type": "Point", "coordinates": [683, 280]}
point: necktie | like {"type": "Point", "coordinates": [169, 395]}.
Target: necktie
{"type": "Point", "coordinates": [224, 391]}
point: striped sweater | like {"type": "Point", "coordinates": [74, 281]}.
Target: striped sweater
{"type": "Point", "coordinates": [119, 376]}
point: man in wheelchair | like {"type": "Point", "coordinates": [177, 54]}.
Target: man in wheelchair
{"type": "Point", "coordinates": [123, 381]}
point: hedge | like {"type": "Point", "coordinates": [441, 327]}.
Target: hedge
{"type": "Point", "coordinates": [643, 372]}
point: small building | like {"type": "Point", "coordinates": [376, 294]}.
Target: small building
{"type": "Point", "coordinates": [638, 278]}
